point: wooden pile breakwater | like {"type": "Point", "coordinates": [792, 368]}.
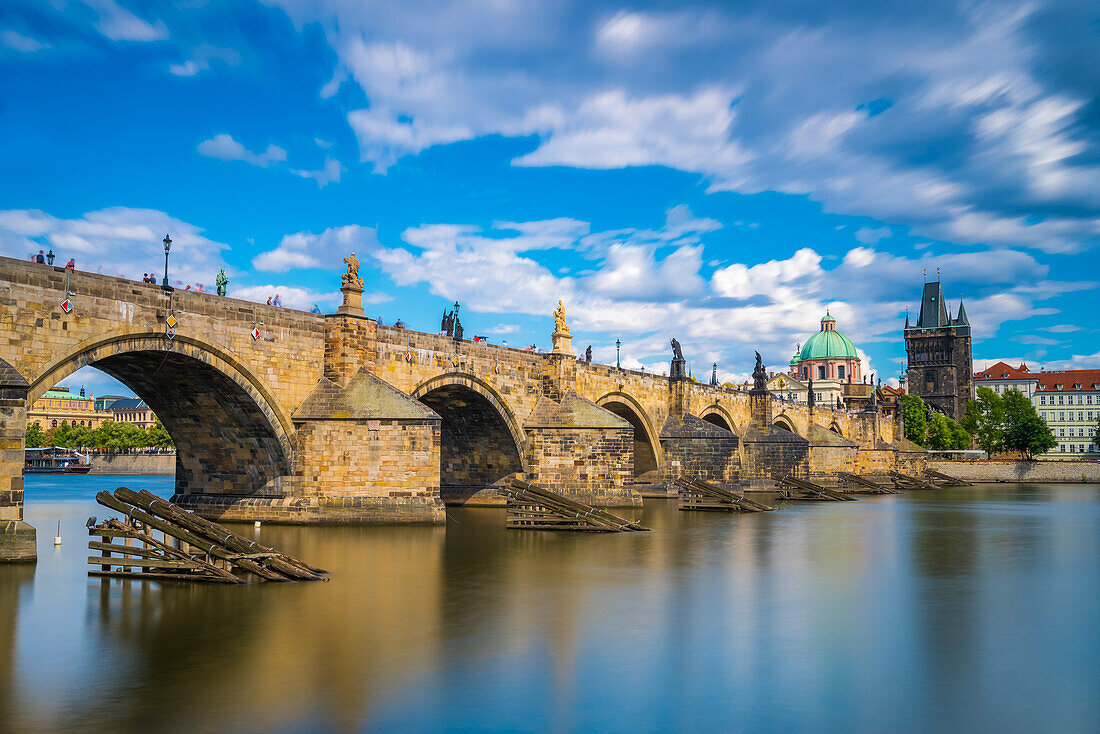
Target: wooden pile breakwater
{"type": "Point", "coordinates": [904, 481]}
{"type": "Point", "coordinates": [862, 485]}
{"type": "Point", "coordinates": [532, 507]}
{"type": "Point", "coordinates": [946, 479]}
{"type": "Point", "coordinates": [700, 495]}
{"type": "Point", "coordinates": [806, 490]}
{"type": "Point", "coordinates": [191, 548]}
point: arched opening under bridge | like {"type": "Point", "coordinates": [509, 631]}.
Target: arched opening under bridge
{"type": "Point", "coordinates": [646, 446]}
{"type": "Point", "coordinates": [229, 435]}
{"type": "Point", "coordinates": [480, 448]}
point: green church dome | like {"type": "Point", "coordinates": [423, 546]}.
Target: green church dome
{"type": "Point", "coordinates": [828, 343]}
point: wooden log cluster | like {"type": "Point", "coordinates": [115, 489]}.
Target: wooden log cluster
{"type": "Point", "coordinates": [946, 479]}
{"type": "Point", "coordinates": [532, 507]}
{"type": "Point", "coordinates": [905, 481]}
{"type": "Point", "coordinates": [806, 490]}
{"type": "Point", "coordinates": [700, 495]}
{"type": "Point", "coordinates": [191, 548]}
{"type": "Point", "coordinates": [863, 485]}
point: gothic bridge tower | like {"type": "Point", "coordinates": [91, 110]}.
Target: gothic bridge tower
{"type": "Point", "coordinates": [940, 361]}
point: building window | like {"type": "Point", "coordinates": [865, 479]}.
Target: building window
{"type": "Point", "coordinates": [1088, 400]}
{"type": "Point", "coordinates": [840, 371]}
{"type": "Point", "coordinates": [1061, 399]}
{"type": "Point", "coordinates": [1080, 415]}
{"type": "Point", "coordinates": [1042, 400]}
{"type": "Point", "coordinates": [1061, 415]}
{"type": "Point", "coordinates": [54, 423]}
{"type": "Point", "coordinates": [1072, 449]}
{"type": "Point", "coordinates": [1062, 432]}
{"type": "Point", "coordinates": [821, 372]}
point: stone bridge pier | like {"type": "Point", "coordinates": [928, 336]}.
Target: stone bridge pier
{"type": "Point", "coordinates": [284, 416]}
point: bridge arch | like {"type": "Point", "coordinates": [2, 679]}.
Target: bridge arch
{"type": "Point", "coordinates": [482, 441]}
{"type": "Point", "coordinates": [648, 455]}
{"type": "Point", "coordinates": [720, 417]}
{"type": "Point", "coordinates": [835, 428]}
{"type": "Point", "coordinates": [784, 421]}
{"type": "Point", "coordinates": [231, 435]}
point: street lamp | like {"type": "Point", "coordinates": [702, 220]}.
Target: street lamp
{"type": "Point", "coordinates": [618, 362]}
{"type": "Point", "coordinates": [714, 373]}
{"type": "Point", "coordinates": [167, 247]}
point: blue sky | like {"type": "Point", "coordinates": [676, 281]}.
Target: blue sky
{"type": "Point", "coordinates": [721, 173]}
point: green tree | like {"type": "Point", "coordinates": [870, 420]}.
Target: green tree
{"type": "Point", "coordinates": [1025, 431]}
{"type": "Point", "coordinates": [945, 434]}
{"type": "Point", "coordinates": [916, 423]}
{"type": "Point", "coordinates": [985, 420]}
{"type": "Point", "coordinates": [35, 437]}
{"type": "Point", "coordinates": [72, 436]}
{"type": "Point", "coordinates": [116, 436]}
{"type": "Point", "coordinates": [158, 436]}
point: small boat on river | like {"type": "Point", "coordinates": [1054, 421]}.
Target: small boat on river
{"type": "Point", "coordinates": [56, 460]}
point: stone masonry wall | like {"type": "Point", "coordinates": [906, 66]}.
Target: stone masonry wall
{"type": "Point", "coordinates": [1020, 471]}
{"type": "Point", "coordinates": [591, 465]}
{"type": "Point", "coordinates": [134, 464]}
{"type": "Point", "coordinates": [715, 459]}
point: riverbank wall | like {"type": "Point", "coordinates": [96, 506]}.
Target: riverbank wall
{"type": "Point", "coordinates": [164, 464]}
{"type": "Point", "coordinates": [1020, 471]}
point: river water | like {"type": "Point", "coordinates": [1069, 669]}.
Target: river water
{"type": "Point", "coordinates": [961, 610]}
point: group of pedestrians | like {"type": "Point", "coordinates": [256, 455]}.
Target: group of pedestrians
{"type": "Point", "coordinates": [47, 258]}
{"type": "Point", "coordinates": [149, 278]}
{"type": "Point", "coordinates": [276, 301]}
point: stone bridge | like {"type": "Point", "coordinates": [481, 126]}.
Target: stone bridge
{"type": "Point", "coordinates": [285, 416]}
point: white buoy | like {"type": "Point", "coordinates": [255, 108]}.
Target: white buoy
{"type": "Point", "coordinates": [257, 524]}
{"type": "Point", "coordinates": [57, 538]}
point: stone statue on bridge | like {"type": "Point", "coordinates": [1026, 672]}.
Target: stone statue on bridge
{"type": "Point", "coordinates": [759, 376]}
{"type": "Point", "coordinates": [351, 277]}
{"type": "Point", "coordinates": [588, 354]}
{"type": "Point", "coordinates": [447, 325]}
{"type": "Point", "coordinates": [222, 281]}
{"type": "Point", "coordinates": [563, 340]}
{"type": "Point", "coordinates": [678, 370]}
{"type": "Point", "coordinates": [560, 327]}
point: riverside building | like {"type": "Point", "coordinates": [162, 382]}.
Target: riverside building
{"type": "Point", "coordinates": [1069, 401]}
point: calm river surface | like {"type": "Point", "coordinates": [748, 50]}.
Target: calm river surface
{"type": "Point", "coordinates": [960, 610]}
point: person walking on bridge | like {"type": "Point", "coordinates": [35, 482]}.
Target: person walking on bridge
{"type": "Point", "coordinates": [40, 258]}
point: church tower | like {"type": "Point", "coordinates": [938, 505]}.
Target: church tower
{"type": "Point", "coordinates": [941, 366]}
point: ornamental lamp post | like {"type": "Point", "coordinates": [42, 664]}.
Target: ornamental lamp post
{"type": "Point", "coordinates": [167, 247]}
{"type": "Point", "coordinates": [618, 362]}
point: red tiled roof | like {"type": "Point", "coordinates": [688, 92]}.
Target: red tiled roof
{"type": "Point", "coordinates": [999, 370]}
{"type": "Point", "coordinates": [1087, 379]}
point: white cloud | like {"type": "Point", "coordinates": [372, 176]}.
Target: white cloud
{"type": "Point", "coordinates": [19, 42]}
{"type": "Point", "coordinates": [116, 241]}
{"type": "Point", "coordinates": [615, 130]}
{"type": "Point", "coordinates": [225, 148]}
{"type": "Point", "coordinates": [188, 68]}
{"type": "Point", "coordinates": [329, 173]}
{"type": "Point", "coordinates": [119, 24]}
{"type": "Point", "coordinates": [386, 136]}
{"type": "Point", "coordinates": [325, 250]}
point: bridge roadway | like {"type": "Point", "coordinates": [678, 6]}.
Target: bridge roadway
{"type": "Point", "coordinates": [285, 416]}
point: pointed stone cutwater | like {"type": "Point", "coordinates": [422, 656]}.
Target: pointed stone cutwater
{"type": "Point", "coordinates": [367, 451]}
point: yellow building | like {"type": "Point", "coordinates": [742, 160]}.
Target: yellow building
{"type": "Point", "coordinates": [59, 405]}
{"type": "Point", "coordinates": [132, 410]}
